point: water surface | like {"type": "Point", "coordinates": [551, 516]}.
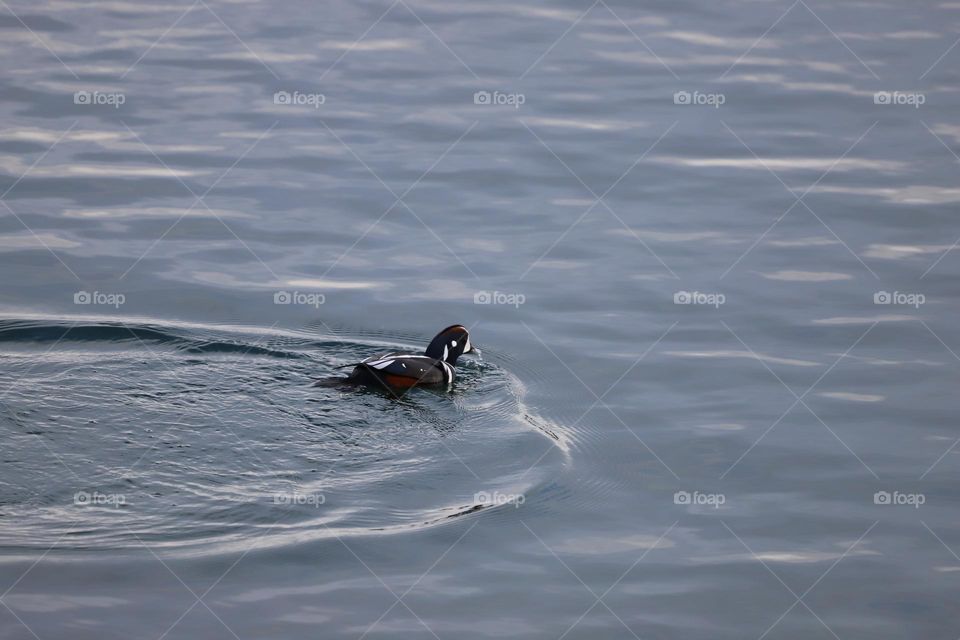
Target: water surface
{"type": "Point", "coordinates": [707, 248]}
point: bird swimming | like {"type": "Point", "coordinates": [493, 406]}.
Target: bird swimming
{"type": "Point", "coordinates": [405, 370]}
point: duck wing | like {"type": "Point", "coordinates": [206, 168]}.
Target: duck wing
{"type": "Point", "coordinates": [405, 370]}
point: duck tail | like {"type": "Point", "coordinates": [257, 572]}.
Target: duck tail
{"type": "Point", "coordinates": [337, 381]}
{"type": "Point", "coordinates": [332, 382]}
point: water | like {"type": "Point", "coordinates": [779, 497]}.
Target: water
{"type": "Point", "coordinates": [163, 479]}
{"type": "Point", "coordinates": [712, 276]}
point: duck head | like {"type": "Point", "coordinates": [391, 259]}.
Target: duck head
{"type": "Point", "coordinates": [450, 343]}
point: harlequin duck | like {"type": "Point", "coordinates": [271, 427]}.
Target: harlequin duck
{"type": "Point", "coordinates": [435, 367]}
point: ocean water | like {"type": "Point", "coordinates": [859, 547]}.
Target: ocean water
{"type": "Point", "coordinates": [708, 250]}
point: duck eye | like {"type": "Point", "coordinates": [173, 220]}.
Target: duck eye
{"type": "Point", "coordinates": [453, 343]}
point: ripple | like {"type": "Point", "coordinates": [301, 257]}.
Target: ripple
{"type": "Point", "coordinates": [202, 439]}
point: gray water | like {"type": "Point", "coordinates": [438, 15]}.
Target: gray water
{"type": "Point", "coordinates": [708, 250]}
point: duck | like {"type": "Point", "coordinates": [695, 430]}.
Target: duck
{"type": "Point", "coordinates": [405, 370]}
